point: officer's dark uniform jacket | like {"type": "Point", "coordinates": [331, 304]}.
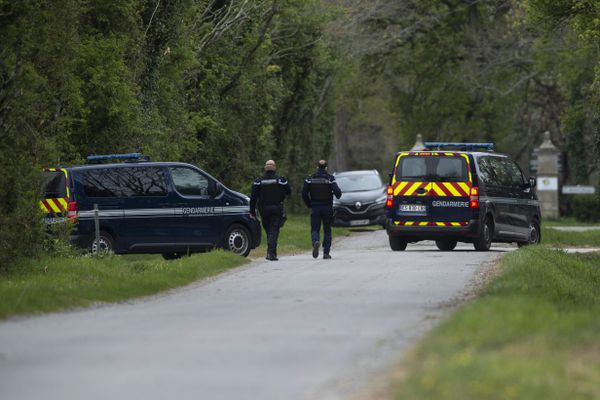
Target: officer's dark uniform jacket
{"type": "Point", "coordinates": [268, 190]}
{"type": "Point", "coordinates": [319, 189]}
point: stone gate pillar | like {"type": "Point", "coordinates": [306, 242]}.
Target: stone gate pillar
{"type": "Point", "coordinates": [547, 177]}
{"type": "Point", "coordinates": [418, 146]}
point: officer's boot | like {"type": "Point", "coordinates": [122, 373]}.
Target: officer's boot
{"type": "Point", "coordinates": [270, 256]}
{"type": "Point", "coordinates": [326, 255]}
{"type": "Point", "coordinates": [315, 253]}
{"type": "Point", "coordinates": [274, 256]}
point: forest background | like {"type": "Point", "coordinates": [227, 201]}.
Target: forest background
{"type": "Point", "coordinates": [227, 84]}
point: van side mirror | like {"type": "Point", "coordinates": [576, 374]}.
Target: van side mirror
{"type": "Point", "coordinates": [214, 188]}
{"type": "Point", "coordinates": [532, 182]}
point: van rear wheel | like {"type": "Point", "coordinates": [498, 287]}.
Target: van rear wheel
{"type": "Point", "coordinates": [237, 240]}
{"type": "Point", "coordinates": [397, 243]}
{"type": "Point", "coordinates": [446, 244]}
{"type": "Point", "coordinates": [104, 244]}
{"type": "Point", "coordinates": [484, 241]}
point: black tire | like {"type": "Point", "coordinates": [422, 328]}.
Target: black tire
{"type": "Point", "coordinates": [107, 243]}
{"type": "Point", "coordinates": [237, 240]}
{"type": "Point", "coordinates": [446, 244]}
{"type": "Point", "coordinates": [397, 243]}
{"type": "Point", "coordinates": [172, 256]}
{"type": "Point", "coordinates": [535, 235]}
{"type": "Point", "coordinates": [484, 241]}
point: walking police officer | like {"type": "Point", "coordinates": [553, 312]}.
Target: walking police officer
{"type": "Point", "coordinates": [317, 193]}
{"type": "Point", "coordinates": [269, 191]}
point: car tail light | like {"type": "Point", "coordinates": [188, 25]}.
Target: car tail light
{"type": "Point", "coordinates": [474, 199]}
{"type": "Point", "coordinates": [72, 211]}
{"type": "Point", "coordinates": [390, 197]}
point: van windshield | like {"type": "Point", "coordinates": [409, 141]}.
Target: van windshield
{"type": "Point", "coordinates": [358, 183]}
{"type": "Point", "coordinates": [432, 169]}
{"type": "Point", "coordinates": [54, 185]}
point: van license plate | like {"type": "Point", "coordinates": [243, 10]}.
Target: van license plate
{"type": "Point", "coordinates": [359, 222]}
{"type": "Point", "coordinates": [412, 207]}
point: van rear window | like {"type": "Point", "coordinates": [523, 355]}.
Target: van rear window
{"type": "Point", "coordinates": [54, 185]}
{"type": "Point", "coordinates": [432, 169]}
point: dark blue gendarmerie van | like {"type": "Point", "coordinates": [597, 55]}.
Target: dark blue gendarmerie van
{"type": "Point", "coordinates": [170, 208]}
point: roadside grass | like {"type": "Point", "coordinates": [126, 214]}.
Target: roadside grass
{"type": "Point", "coordinates": [68, 279]}
{"type": "Point", "coordinates": [555, 238]}
{"type": "Point", "coordinates": [59, 283]}
{"type": "Point", "coordinates": [567, 221]}
{"type": "Point", "coordinates": [532, 334]}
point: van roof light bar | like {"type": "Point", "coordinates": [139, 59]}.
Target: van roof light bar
{"type": "Point", "coordinates": [465, 146]}
{"type": "Point", "coordinates": [127, 157]}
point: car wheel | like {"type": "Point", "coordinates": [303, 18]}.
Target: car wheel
{"type": "Point", "coordinates": [237, 240]}
{"type": "Point", "coordinates": [104, 244]}
{"type": "Point", "coordinates": [397, 243]}
{"type": "Point", "coordinates": [446, 244]}
{"type": "Point", "coordinates": [484, 241]}
{"type": "Point", "coordinates": [534, 235]}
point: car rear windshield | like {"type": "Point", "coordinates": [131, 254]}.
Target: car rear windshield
{"type": "Point", "coordinates": [358, 182]}
{"type": "Point", "coordinates": [54, 185]}
{"type": "Point", "coordinates": [432, 169]}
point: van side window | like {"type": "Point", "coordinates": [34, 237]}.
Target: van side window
{"type": "Point", "coordinates": [486, 171]}
{"type": "Point", "coordinates": [142, 181]}
{"type": "Point", "coordinates": [101, 183]}
{"type": "Point", "coordinates": [499, 168]}
{"type": "Point", "coordinates": [516, 176]}
{"type": "Point", "coordinates": [189, 182]}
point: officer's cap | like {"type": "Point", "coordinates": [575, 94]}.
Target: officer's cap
{"type": "Point", "coordinates": [270, 165]}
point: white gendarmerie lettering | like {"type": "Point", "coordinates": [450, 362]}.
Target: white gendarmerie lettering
{"type": "Point", "coordinates": [197, 210]}
{"type": "Point", "coordinates": [441, 203]}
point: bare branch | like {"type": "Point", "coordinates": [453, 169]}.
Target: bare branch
{"type": "Point", "coordinates": [152, 17]}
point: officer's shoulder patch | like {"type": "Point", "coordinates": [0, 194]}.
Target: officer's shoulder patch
{"type": "Point", "coordinates": [257, 181]}
{"type": "Point", "coordinates": [283, 180]}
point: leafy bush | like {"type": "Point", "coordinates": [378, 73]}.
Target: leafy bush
{"type": "Point", "coordinates": [586, 208]}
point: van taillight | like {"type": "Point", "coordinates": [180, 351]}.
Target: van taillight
{"type": "Point", "coordinates": [72, 211]}
{"type": "Point", "coordinates": [474, 199]}
{"type": "Point", "coordinates": [390, 197]}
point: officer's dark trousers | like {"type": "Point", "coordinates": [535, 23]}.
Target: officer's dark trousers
{"type": "Point", "coordinates": [324, 214]}
{"type": "Point", "coordinates": [272, 217]}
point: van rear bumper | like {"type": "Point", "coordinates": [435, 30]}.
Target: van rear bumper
{"type": "Point", "coordinates": [417, 232]}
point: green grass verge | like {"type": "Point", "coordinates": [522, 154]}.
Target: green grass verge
{"type": "Point", "coordinates": [58, 283]}
{"type": "Point", "coordinates": [567, 221]}
{"type": "Point", "coordinates": [533, 334]}
{"type": "Point", "coordinates": [556, 238]}
{"type": "Point", "coordinates": [55, 283]}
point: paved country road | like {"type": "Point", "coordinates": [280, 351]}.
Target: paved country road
{"type": "Point", "coordinates": [295, 329]}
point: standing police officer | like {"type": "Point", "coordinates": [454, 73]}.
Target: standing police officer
{"type": "Point", "coordinates": [317, 193]}
{"type": "Point", "coordinates": [269, 191]}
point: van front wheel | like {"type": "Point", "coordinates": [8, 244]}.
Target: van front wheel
{"type": "Point", "coordinates": [237, 240]}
